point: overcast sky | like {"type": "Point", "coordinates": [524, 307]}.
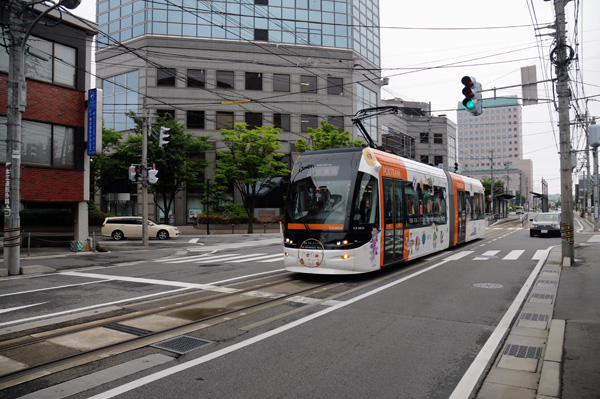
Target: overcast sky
{"type": "Point", "coordinates": [428, 45]}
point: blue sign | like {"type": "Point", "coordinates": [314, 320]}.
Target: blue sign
{"type": "Point", "coordinates": [92, 104]}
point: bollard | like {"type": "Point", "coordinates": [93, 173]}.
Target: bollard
{"type": "Point", "coordinates": [232, 226]}
{"type": "Point", "coordinates": [28, 244]}
{"type": "Point", "coordinates": [264, 227]}
{"type": "Point", "coordinates": [93, 241]}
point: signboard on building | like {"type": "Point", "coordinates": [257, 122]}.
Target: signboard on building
{"type": "Point", "coordinates": [94, 122]}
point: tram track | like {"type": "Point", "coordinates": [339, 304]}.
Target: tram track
{"type": "Point", "coordinates": [245, 298]}
{"type": "Point", "coordinates": [203, 310]}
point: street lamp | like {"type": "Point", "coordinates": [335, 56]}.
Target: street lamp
{"type": "Point", "coordinates": [17, 100]}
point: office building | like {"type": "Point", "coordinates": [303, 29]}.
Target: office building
{"type": "Point", "coordinates": [212, 64]}
{"type": "Point", "coordinates": [491, 145]}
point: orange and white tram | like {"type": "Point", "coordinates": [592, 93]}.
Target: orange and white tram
{"type": "Point", "coordinates": [356, 210]}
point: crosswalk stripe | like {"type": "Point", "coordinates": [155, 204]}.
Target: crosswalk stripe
{"type": "Point", "coordinates": [540, 254]}
{"type": "Point", "coordinates": [594, 238]}
{"type": "Point", "coordinates": [253, 259]}
{"type": "Point", "coordinates": [280, 258]}
{"type": "Point", "coordinates": [514, 254]}
{"type": "Point", "coordinates": [224, 258]}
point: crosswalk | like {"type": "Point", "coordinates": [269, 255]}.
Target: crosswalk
{"type": "Point", "coordinates": [225, 258]}
{"type": "Point", "coordinates": [217, 256]}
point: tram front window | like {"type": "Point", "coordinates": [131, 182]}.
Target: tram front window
{"type": "Point", "coordinates": [319, 197]}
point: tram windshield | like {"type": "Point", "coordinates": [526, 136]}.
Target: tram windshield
{"type": "Point", "coordinates": [319, 193]}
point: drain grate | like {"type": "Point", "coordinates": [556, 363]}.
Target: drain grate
{"type": "Point", "coordinates": [522, 351]}
{"type": "Point", "coordinates": [128, 329]}
{"type": "Point", "coordinates": [543, 296]}
{"type": "Point", "coordinates": [182, 344]}
{"type": "Point", "coordinates": [553, 282]}
{"type": "Point", "coordinates": [534, 317]}
{"type": "Point", "coordinates": [551, 271]}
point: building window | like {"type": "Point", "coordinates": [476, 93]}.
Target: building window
{"type": "Point", "coordinates": [195, 119]}
{"type": "Point", "coordinates": [196, 78]}
{"type": "Point", "coordinates": [261, 35]}
{"type": "Point", "coordinates": [43, 144]}
{"type": "Point", "coordinates": [224, 120]}
{"type": "Point", "coordinates": [261, 2]}
{"type": "Point", "coordinates": [253, 120]}
{"type": "Point", "coordinates": [165, 76]}
{"type": "Point", "coordinates": [438, 138]}
{"type": "Point", "coordinates": [425, 159]}
{"type": "Point", "coordinates": [282, 121]}
{"type": "Point", "coordinates": [307, 121]}
{"type": "Point", "coordinates": [225, 79]}
{"type": "Point", "coordinates": [120, 97]}
{"type": "Point", "coordinates": [59, 65]}
{"type": "Point", "coordinates": [335, 86]}
{"type": "Point", "coordinates": [281, 82]}
{"type": "Point", "coordinates": [308, 84]}
{"type": "Point", "coordinates": [254, 81]}
{"type": "Point", "coordinates": [337, 121]}
{"type": "Point", "coordinates": [438, 160]}
{"type": "Point", "coordinates": [424, 137]}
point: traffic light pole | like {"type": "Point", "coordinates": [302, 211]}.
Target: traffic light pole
{"type": "Point", "coordinates": [562, 71]}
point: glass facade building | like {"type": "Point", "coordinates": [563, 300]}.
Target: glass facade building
{"type": "Point", "coordinates": [348, 24]}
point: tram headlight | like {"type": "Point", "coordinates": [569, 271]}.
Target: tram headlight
{"type": "Point", "coordinates": [345, 256]}
{"type": "Point", "coordinates": [343, 242]}
{"type": "Point", "coordinates": [288, 240]}
{"type": "Point", "coordinates": [287, 254]}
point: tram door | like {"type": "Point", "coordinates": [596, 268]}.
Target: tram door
{"type": "Point", "coordinates": [462, 216]}
{"type": "Point", "coordinates": [393, 220]}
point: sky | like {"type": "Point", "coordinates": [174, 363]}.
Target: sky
{"type": "Point", "coordinates": [427, 46]}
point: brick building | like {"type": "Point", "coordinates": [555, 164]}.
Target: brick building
{"type": "Point", "coordinates": [54, 162]}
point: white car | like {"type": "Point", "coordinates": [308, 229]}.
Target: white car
{"type": "Point", "coordinates": [121, 227]}
{"type": "Point", "coordinates": [545, 223]}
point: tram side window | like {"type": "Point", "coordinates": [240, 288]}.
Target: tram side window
{"type": "Point", "coordinates": [365, 204]}
{"type": "Point", "coordinates": [439, 205]}
{"type": "Point", "coordinates": [469, 205]}
{"type": "Point", "coordinates": [477, 206]}
{"type": "Point", "coordinates": [411, 199]}
{"type": "Point", "coordinates": [426, 204]}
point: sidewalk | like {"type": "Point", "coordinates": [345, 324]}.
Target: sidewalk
{"type": "Point", "coordinates": [553, 347]}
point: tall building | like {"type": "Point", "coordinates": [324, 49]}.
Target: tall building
{"type": "Point", "coordinates": [415, 133]}
{"type": "Point", "coordinates": [265, 62]}
{"type": "Point", "coordinates": [492, 145]}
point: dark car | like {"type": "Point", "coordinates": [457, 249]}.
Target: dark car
{"type": "Point", "coordinates": [545, 224]}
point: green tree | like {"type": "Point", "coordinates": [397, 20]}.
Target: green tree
{"type": "Point", "coordinates": [104, 166]}
{"type": "Point", "coordinates": [251, 164]}
{"type": "Point", "coordinates": [181, 163]}
{"type": "Point", "coordinates": [326, 137]}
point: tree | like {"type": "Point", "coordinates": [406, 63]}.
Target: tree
{"type": "Point", "coordinates": [251, 164]}
{"type": "Point", "coordinates": [326, 137]}
{"type": "Point", "coordinates": [103, 167]}
{"type": "Point", "coordinates": [180, 163]}
{"type": "Point", "coordinates": [487, 186]}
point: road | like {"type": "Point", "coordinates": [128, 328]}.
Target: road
{"type": "Point", "coordinates": [411, 331]}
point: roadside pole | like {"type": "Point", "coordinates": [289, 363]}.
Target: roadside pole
{"type": "Point", "coordinates": [146, 126]}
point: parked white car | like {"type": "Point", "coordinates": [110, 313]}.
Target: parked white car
{"type": "Point", "coordinates": [121, 227]}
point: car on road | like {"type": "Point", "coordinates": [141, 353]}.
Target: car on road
{"type": "Point", "coordinates": [121, 227]}
{"type": "Point", "coordinates": [547, 223]}
{"type": "Point", "coordinates": [519, 210]}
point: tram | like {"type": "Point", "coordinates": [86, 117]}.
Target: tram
{"type": "Point", "coordinates": [357, 210]}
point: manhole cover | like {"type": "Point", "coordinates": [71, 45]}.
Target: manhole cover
{"type": "Point", "coordinates": [488, 285]}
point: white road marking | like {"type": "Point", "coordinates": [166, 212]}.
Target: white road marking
{"type": "Point", "coordinates": [53, 288]}
{"type": "Point", "coordinates": [20, 307]}
{"type": "Point", "coordinates": [471, 377]}
{"type": "Point", "coordinates": [594, 238]}
{"type": "Point", "coordinates": [279, 256]}
{"type": "Point", "coordinates": [240, 345]}
{"type": "Point", "coordinates": [514, 254]}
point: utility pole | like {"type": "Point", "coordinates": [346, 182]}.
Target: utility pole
{"type": "Point", "coordinates": [145, 128]}
{"type": "Point", "coordinates": [492, 178]}
{"type": "Point", "coordinates": [561, 62]}
{"type": "Point", "coordinates": [17, 101]}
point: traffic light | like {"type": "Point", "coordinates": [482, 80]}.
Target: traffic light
{"type": "Point", "coordinates": [456, 167]}
{"type": "Point", "coordinates": [162, 137]}
{"type": "Point", "coordinates": [472, 92]}
{"type": "Point", "coordinates": [152, 175]}
{"type": "Point", "coordinates": [132, 173]}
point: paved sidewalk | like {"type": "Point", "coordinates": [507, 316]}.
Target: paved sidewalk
{"type": "Point", "coordinates": [553, 347]}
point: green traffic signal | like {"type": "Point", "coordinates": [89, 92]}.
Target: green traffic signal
{"type": "Point", "coordinates": [468, 103]}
